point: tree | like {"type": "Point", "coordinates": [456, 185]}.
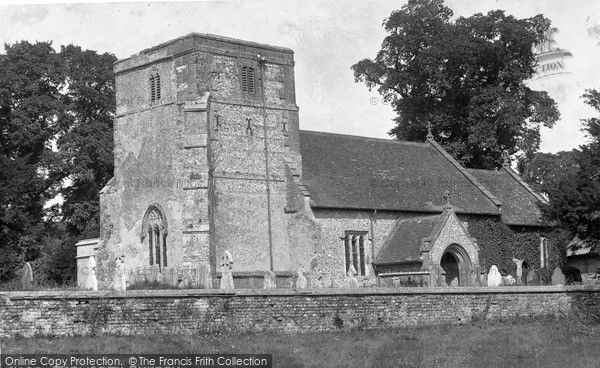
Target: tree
{"type": "Point", "coordinates": [466, 77]}
{"type": "Point", "coordinates": [56, 113]}
{"type": "Point", "coordinates": [574, 199]}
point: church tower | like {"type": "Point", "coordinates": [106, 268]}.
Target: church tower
{"type": "Point", "coordinates": [206, 133]}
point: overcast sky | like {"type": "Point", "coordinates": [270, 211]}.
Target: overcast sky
{"type": "Point", "coordinates": [328, 36]}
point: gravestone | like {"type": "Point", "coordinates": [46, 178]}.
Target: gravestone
{"type": "Point", "coordinates": [483, 279]}
{"type": "Point", "coordinates": [473, 279]}
{"type": "Point", "coordinates": [269, 280]}
{"type": "Point", "coordinates": [558, 278]}
{"type": "Point", "coordinates": [314, 279]}
{"type": "Point", "coordinates": [119, 280]}
{"type": "Point", "coordinates": [433, 276]}
{"type": "Point", "coordinates": [226, 269]}
{"type": "Point", "coordinates": [206, 277]}
{"type": "Point", "coordinates": [92, 280]}
{"type": "Point", "coordinates": [170, 276]}
{"type": "Point", "coordinates": [454, 282]}
{"type": "Point", "coordinates": [534, 278]}
{"type": "Point", "coordinates": [27, 276]}
{"type": "Point", "coordinates": [494, 278]}
{"type": "Point", "coordinates": [326, 281]}
{"type": "Point", "coordinates": [351, 281]}
{"type": "Point", "coordinates": [301, 282]}
{"type": "Point", "coordinates": [510, 281]}
{"type": "Point", "coordinates": [519, 263]}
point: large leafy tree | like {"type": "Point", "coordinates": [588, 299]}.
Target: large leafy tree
{"type": "Point", "coordinates": [574, 194]}
{"type": "Point", "coordinates": [571, 180]}
{"type": "Point", "coordinates": [55, 138]}
{"type": "Point", "coordinates": [467, 77]}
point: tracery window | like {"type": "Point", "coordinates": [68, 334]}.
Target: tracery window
{"type": "Point", "coordinates": [155, 230]}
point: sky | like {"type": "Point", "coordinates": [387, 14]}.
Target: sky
{"type": "Point", "coordinates": [327, 36]}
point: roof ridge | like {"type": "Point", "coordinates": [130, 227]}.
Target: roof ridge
{"type": "Point", "coordinates": [518, 178]}
{"type": "Point", "coordinates": [394, 141]}
{"type": "Point", "coordinates": [466, 173]}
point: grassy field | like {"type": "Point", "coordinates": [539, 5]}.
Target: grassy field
{"type": "Point", "coordinates": [548, 343]}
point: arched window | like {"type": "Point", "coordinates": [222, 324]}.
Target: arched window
{"type": "Point", "coordinates": [248, 80]}
{"type": "Point", "coordinates": [154, 85]}
{"type": "Point", "coordinates": [154, 228]}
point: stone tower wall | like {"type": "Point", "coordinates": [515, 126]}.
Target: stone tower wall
{"type": "Point", "coordinates": [219, 184]}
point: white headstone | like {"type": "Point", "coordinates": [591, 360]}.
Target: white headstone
{"type": "Point", "coordinates": [120, 280]}
{"type": "Point", "coordinates": [301, 282]}
{"type": "Point", "coordinates": [494, 277]}
{"type": "Point", "coordinates": [226, 267]}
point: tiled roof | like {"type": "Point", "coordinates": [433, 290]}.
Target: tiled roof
{"type": "Point", "coordinates": [404, 242]}
{"type": "Point", "coordinates": [342, 171]}
{"type": "Point", "coordinates": [520, 205]}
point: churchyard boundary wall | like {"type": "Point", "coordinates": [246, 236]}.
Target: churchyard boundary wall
{"type": "Point", "coordinates": [61, 313]}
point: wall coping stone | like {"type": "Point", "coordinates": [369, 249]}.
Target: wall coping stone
{"type": "Point", "coordinates": [187, 293]}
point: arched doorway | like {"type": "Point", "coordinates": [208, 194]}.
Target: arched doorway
{"type": "Point", "coordinates": [449, 264]}
{"type": "Point", "coordinates": [456, 264]}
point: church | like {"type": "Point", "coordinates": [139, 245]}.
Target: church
{"type": "Point", "coordinates": [210, 158]}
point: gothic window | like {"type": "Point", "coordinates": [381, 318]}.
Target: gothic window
{"type": "Point", "coordinates": [154, 228]}
{"type": "Point", "coordinates": [154, 85]}
{"type": "Point", "coordinates": [248, 84]}
{"type": "Point", "coordinates": [354, 250]}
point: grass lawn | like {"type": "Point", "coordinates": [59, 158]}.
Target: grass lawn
{"type": "Point", "coordinates": [549, 343]}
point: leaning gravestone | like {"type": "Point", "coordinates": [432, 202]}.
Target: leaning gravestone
{"type": "Point", "coordinates": [301, 282]}
{"type": "Point", "coordinates": [534, 278]}
{"type": "Point", "coordinates": [27, 276]}
{"type": "Point", "coordinates": [494, 277]}
{"type": "Point", "coordinates": [226, 269]}
{"type": "Point", "coordinates": [558, 277]}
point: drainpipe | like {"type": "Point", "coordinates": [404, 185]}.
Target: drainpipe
{"type": "Point", "coordinates": [262, 62]}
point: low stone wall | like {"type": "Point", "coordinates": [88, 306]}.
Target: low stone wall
{"type": "Point", "coordinates": [189, 311]}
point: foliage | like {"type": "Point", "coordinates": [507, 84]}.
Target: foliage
{"type": "Point", "coordinates": [571, 181]}
{"type": "Point", "coordinates": [499, 244]}
{"type": "Point", "coordinates": [55, 139]}
{"type": "Point", "coordinates": [466, 77]}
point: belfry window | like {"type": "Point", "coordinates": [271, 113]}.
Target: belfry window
{"type": "Point", "coordinates": [248, 80]}
{"type": "Point", "coordinates": [154, 85]}
{"type": "Point", "coordinates": [154, 229]}
{"type": "Point", "coordinates": [354, 249]}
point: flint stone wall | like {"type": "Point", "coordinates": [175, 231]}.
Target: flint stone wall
{"type": "Point", "coordinates": [196, 311]}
